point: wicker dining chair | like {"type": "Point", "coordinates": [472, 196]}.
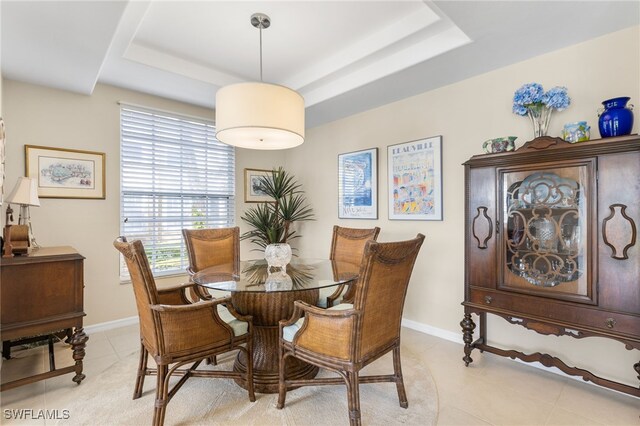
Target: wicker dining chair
{"type": "Point", "coordinates": [347, 337]}
{"type": "Point", "coordinates": [176, 332]}
{"type": "Point", "coordinates": [215, 247]}
{"type": "Point", "coordinates": [347, 246]}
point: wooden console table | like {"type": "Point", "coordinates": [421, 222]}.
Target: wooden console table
{"type": "Point", "coordinates": [42, 293]}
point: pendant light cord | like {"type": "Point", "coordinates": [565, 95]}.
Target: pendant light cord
{"type": "Point", "coordinates": [261, 81]}
{"type": "Point", "coordinates": [260, 21]}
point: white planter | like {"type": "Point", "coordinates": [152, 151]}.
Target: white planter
{"type": "Point", "coordinates": [278, 255]}
{"type": "Point", "coordinates": [278, 282]}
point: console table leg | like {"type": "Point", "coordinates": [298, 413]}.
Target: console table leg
{"type": "Point", "coordinates": [468, 326]}
{"type": "Point", "coordinates": [637, 368]}
{"type": "Point", "coordinates": [52, 358]}
{"type": "Point", "coordinates": [6, 349]}
{"type": "Point", "coordinates": [78, 343]}
{"type": "Point", "coordinates": [68, 334]}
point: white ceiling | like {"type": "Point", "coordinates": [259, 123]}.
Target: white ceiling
{"type": "Point", "coordinates": [342, 56]}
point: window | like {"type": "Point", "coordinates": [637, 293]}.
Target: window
{"type": "Point", "coordinates": [174, 175]}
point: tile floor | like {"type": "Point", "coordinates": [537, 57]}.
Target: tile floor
{"type": "Point", "coordinates": [494, 391]}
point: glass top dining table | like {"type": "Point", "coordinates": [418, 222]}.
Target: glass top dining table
{"type": "Point", "coordinates": [269, 298]}
{"type": "Point", "coordinates": [299, 274]}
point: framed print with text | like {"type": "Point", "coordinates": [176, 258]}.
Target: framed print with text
{"type": "Point", "coordinates": [358, 184]}
{"type": "Point", "coordinates": [66, 173]}
{"type": "Point", "coordinates": [415, 179]}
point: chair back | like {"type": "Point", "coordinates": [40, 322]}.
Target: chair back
{"type": "Point", "coordinates": [381, 290]}
{"type": "Point", "coordinates": [347, 244]}
{"type": "Point", "coordinates": [213, 247]}
{"type": "Point", "coordinates": [144, 287]}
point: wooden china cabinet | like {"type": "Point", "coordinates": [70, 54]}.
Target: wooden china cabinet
{"type": "Point", "coordinates": [551, 244]}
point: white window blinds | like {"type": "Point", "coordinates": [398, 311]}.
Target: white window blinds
{"type": "Point", "coordinates": [174, 175]}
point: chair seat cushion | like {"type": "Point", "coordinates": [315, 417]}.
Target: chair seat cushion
{"type": "Point", "coordinates": [326, 292]}
{"type": "Point", "coordinates": [289, 332]}
{"type": "Point", "coordinates": [239, 327]}
{"type": "Point", "coordinates": [341, 307]}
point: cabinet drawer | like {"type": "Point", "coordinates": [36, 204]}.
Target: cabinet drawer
{"type": "Point", "coordinates": [565, 314]}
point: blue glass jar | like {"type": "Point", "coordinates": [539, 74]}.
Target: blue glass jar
{"type": "Point", "coordinates": [616, 119]}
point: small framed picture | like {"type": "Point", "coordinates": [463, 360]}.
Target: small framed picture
{"type": "Point", "coordinates": [253, 191]}
{"type": "Point", "coordinates": [358, 184]}
{"type": "Point", "coordinates": [66, 173]}
{"type": "Point", "coordinates": [415, 179]}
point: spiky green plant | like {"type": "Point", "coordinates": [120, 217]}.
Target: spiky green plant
{"type": "Point", "coordinates": [271, 222]}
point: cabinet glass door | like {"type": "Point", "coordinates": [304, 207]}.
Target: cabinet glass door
{"type": "Point", "coordinates": [545, 217]}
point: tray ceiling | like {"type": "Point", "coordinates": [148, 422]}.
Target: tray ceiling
{"type": "Point", "coordinates": [342, 56]}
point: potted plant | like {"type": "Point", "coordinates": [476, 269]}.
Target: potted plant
{"type": "Point", "coordinates": [271, 222]}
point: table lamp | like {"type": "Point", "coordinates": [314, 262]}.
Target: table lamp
{"type": "Point", "coordinates": [25, 193]}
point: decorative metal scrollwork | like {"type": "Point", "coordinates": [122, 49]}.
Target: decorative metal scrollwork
{"type": "Point", "coordinates": [543, 230]}
{"type": "Point", "coordinates": [482, 232]}
{"type": "Point", "coordinates": [619, 231]}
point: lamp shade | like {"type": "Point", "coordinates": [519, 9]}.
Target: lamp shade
{"type": "Point", "coordinates": [259, 116]}
{"type": "Point", "coordinates": [25, 192]}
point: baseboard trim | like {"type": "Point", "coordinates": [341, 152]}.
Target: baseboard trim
{"type": "Point", "coordinates": [433, 331]}
{"type": "Point", "coordinates": [110, 325]}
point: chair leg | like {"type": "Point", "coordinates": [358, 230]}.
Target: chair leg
{"type": "Point", "coordinates": [353, 395]}
{"type": "Point", "coordinates": [397, 370]}
{"type": "Point", "coordinates": [250, 383]}
{"type": "Point", "coordinates": [161, 396]}
{"type": "Point", "coordinates": [212, 360]}
{"type": "Point", "coordinates": [282, 389]}
{"type": "Point", "coordinates": [142, 372]}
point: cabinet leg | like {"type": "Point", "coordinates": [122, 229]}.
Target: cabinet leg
{"type": "Point", "coordinates": [482, 330]}
{"type": "Point", "coordinates": [468, 326]}
{"type": "Point", "coordinates": [637, 368]}
{"type": "Point", "coordinates": [78, 343]}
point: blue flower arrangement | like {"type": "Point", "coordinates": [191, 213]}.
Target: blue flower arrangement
{"type": "Point", "coordinates": [532, 94]}
{"type": "Point", "coordinates": [532, 100]}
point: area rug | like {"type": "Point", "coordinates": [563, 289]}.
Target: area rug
{"type": "Point", "coordinates": [106, 400]}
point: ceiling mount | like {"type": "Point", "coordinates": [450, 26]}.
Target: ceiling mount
{"type": "Point", "coordinates": [260, 20]}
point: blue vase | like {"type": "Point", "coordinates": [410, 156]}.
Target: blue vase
{"type": "Point", "coordinates": [616, 119]}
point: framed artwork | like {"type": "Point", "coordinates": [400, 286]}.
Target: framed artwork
{"type": "Point", "coordinates": [415, 179]}
{"type": "Point", "coordinates": [66, 173]}
{"type": "Point", "coordinates": [358, 184]}
{"type": "Point", "coordinates": [253, 192]}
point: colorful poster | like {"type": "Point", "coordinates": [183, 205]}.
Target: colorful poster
{"type": "Point", "coordinates": [415, 179]}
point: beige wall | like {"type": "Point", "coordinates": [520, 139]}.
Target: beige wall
{"type": "Point", "coordinates": [0, 67]}
{"type": "Point", "coordinates": [35, 115]}
{"type": "Point", "coordinates": [466, 114]}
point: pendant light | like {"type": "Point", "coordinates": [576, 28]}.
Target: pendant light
{"type": "Point", "coordinates": [259, 115]}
